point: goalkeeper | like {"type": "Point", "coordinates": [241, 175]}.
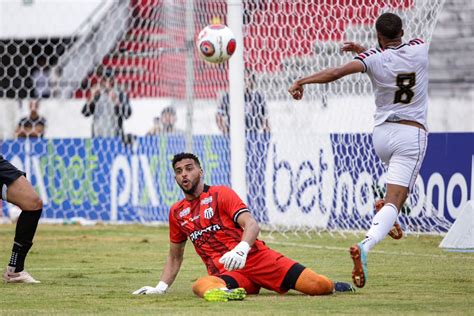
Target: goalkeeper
{"type": "Point", "coordinates": [224, 235]}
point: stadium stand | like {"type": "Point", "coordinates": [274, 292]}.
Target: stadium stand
{"type": "Point", "coordinates": [146, 53]}
{"type": "Point", "coordinates": [451, 62]}
{"type": "Point", "coordinates": [143, 52]}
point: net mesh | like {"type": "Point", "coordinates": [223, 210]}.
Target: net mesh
{"type": "Point", "coordinates": [310, 165]}
{"type": "Point", "coordinates": [321, 171]}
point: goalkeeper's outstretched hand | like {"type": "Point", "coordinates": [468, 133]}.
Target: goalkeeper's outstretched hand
{"type": "Point", "coordinates": [150, 290]}
{"type": "Point", "coordinates": [236, 258]}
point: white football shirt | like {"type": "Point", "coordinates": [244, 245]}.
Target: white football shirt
{"type": "Point", "coordinates": [399, 78]}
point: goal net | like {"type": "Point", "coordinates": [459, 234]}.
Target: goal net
{"type": "Point", "coordinates": [310, 165]}
{"type": "Point", "coordinates": [321, 172]}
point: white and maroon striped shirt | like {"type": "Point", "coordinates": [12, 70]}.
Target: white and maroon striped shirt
{"type": "Point", "coordinates": [399, 77]}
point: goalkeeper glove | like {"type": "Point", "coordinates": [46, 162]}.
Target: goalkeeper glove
{"type": "Point", "coordinates": [150, 290]}
{"type": "Point", "coordinates": [235, 259]}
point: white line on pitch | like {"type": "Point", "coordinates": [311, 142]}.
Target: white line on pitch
{"type": "Point", "coordinates": [290, 244]}
{"type": "Point", "coordinates": [79, 270]}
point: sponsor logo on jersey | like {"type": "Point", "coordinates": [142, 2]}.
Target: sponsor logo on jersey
{"type": "Point", "coordinates": [206, 200]}
{"type": "Point", "coordinates": [208, 213]}
{"type": "Point", "coordinates": [192, 219]}
{"type": "Point", "coordinates": [185, 212]}
{"type": "Point", "coordinates": [197, 234]}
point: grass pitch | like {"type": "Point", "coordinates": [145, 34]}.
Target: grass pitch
{"type": "Point", "coordinates": [93, 270]}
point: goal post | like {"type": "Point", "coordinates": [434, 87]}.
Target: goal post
{"type": "Point", "coordinates": [236, 100]}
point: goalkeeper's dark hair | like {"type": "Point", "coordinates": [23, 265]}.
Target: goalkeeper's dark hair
{"type": "Point", "coordinates": [389, 25]}
{"type": "Point", "coordinates": [178, 157]}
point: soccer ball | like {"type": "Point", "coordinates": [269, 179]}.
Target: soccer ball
{"type": "Point", "coordinates": [216, 43]}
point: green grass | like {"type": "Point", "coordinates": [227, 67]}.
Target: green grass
{"type": "Point", "coordinates": [93, 270]}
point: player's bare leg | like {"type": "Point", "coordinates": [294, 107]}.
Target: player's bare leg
{"type": "Point", "coordinates": [382, 223]}
{"type": "Point", "coordinates": [214, 289]}
{"type": "Point", "coordinates": [21, 193]}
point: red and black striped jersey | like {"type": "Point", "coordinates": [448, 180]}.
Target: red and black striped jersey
{"type": "Point", "coordinates": [210, 223]}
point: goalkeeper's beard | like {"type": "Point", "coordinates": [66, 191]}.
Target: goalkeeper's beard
{"type": "Point", "coordinates": [191, 190]}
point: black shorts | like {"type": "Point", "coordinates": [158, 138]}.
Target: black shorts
{"type": "Point", "coordinates": [8, 173]}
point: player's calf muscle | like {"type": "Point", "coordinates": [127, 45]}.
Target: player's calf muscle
{"type": "Point", "coordinates": [311, 283]}
{"type": "Point", "coordinates": [396, 195]}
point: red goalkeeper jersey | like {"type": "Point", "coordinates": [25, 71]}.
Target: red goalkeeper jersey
{"type": "Point", "coordinates": [210, 222]}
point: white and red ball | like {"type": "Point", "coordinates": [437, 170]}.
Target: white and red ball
{"type": "Point", "coordinates": [216, 43]}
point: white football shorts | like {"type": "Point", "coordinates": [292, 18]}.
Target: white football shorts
{"type": "Point", "coordinates": [402, 149]}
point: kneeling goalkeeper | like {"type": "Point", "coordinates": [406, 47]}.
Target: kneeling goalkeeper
{"type": "Point", "coordinates": [224, 235]}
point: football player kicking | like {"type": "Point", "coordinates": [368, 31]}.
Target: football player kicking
{"type": "Point", "coordinates": [399, 75]}
{"type": "Point", "coordinates": [224, 235]}
{"type": "Point", "coordinates": [17, 190]}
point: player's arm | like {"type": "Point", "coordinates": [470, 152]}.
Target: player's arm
{"type": "Point", "coordinates": [173, 263]}
{"type": "Point", "coordinates": [170, 270]}
{"type": "Point", "coordinates": [250, 226]}
{"type": "Point", "coordinates": [237, 257]}
{"type": "Point", "coordinates": [89, 107]}
{"type": "Point", "coordinates": [20, 131]}
{"type": "Point", "coordinates": [327, 75]}
{"type": "Point", "coordinates": [266, 123]}
{"type": "Point", "coordinates": [222, 113]}
{"type": "Point", "coordinates": [37, 130]}
{"type": "Point", "coordinates": [220, 120]}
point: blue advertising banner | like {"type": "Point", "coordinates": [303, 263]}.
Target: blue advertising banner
{"type": "Point", "coordinates": [106, 180]}
{"type": "Point", "coordinates": [330, 181]}
{"type": "Point", "coordinates": [448, 172]}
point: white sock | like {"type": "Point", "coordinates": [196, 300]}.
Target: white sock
{"type": "Point", "coordinates": [381, 225]}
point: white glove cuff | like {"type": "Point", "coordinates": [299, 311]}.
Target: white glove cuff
{"type": "Point", "coordinates": [243, 246]}
{"type": "Point", "coordinates": [162, 286]}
